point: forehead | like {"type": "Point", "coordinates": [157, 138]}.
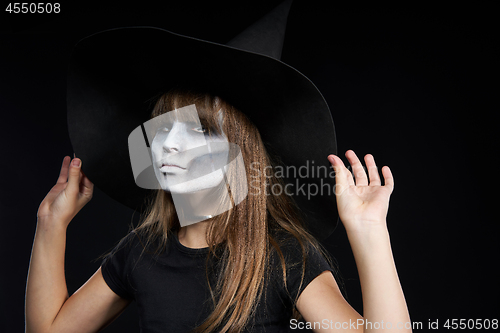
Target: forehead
{"type": "Point", "coordinates": [187, 114]}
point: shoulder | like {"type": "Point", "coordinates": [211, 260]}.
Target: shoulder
{"type": "Point", "coordinates": [126, 249]}
{"type": "Point", "coordinates": [295, 249]}
{"type": "Point", "coordinates": [296, 262]}
{"type": "Point", "coordinates": [129, 241]}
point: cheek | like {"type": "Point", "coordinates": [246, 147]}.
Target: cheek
{"type": "Point", "coordinates": [155, 143]}
{"type": "Point", "coordinates": [192, 140]}
{"type": "Point", "coordinates": [155, 150]}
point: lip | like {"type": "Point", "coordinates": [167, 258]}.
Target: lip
{"type": "Point", "coordinates": [167, 166]}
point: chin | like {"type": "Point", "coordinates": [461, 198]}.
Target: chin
{"type": "Point", "coordinates": [181, 189]}
{"type": "Point", "coordinates": [205, 182]}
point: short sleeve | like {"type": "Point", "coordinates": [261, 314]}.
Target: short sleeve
{"type": "Point", "coordinates": [315, 264]}
{"type": "Point", "coordinates": [115, 267]}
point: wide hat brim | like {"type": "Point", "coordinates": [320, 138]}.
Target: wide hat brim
{"type": "Point", "coordinates": [114, 77]}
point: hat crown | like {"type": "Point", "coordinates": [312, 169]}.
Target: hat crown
{"type": "Point", "coordinates": [265, 36]}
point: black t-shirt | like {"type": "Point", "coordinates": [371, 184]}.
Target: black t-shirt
{"type": "Point", "coordinates": [172, 292]}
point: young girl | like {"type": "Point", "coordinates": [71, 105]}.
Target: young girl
{"type": "Point", "coordinates": [217, 251]}
{"type": "Point", "coordinates": [245, 269]}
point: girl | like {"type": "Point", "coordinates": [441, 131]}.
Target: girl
{"type": "Point", "coordinates": [216, 250]}
{"type": "Point", "coordinates": [245, 269]}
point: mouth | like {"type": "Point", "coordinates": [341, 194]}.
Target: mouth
{"type": "Point", "coordinates": [166, 167]}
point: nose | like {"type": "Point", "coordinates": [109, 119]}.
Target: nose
{"type": "Point", "coordinates": [173, 142]}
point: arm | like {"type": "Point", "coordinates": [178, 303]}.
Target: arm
{"type": "Point", "coordinates": [362, 209]}
{"type": "Point", "coordinates": [48, 305]}
{"type": "Point", "coordinates": [383, 298]}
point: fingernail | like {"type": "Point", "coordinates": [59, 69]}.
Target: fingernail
{"type": "Point", "coordinates": [76, 162]}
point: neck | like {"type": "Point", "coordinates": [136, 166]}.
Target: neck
{"type": "Point", "coordinates": [195, 207]}
{"type": "Point", "coordinates": [194, 235]}
{"type": "Point", "coordinates": [195, 211]}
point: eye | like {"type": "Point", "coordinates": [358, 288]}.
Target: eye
{"type": "Point", "coordinates": [200, 129]}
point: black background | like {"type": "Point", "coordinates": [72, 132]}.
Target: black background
{"type": "Point", "coordinates": [414, 86]}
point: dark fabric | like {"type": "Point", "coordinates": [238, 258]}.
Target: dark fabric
{"type": "Point", "coordinates": [171, 288]}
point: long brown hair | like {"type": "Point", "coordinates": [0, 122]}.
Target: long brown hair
{"type": "Point", "coordinates": [242, 237]}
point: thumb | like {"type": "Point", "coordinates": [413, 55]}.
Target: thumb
{"type": "Point", "coordinates": [74, 176]}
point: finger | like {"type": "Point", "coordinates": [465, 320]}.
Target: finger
{"type": "Point", "coordinates": [357, 169]}
{"type": "Point", "coordinates": [63, 174]}
{"type": "Point", "coordinates": [350, 178]}
{"type": "Point", "coordinates": [81, 172]}
{"type": "Point", "coordinates": [74, 176]}
{"type": "Point", "coordinates": [341, 172]}
{"type": "Point", "coordinates": [372, 170]}
{"type": "Point", "coordinates": [388, 178]}
{"type": "Point", "coordinates": [86, 186]}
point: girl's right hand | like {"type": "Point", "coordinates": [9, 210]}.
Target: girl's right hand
{"type": "Point", "coordinates": [72, 191]}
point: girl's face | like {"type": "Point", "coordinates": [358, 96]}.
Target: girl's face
{"type": "Point", "coordinates": [185, 157]}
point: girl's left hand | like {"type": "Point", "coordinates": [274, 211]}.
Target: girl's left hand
{"type": "Point", "coordinates": [362, 203]}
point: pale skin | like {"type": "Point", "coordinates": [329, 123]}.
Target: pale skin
{"type": "Point", "coordinates": [362, 204]}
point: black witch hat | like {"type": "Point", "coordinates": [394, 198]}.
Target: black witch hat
{"type": "Point", "coordinates": [115, 74]}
